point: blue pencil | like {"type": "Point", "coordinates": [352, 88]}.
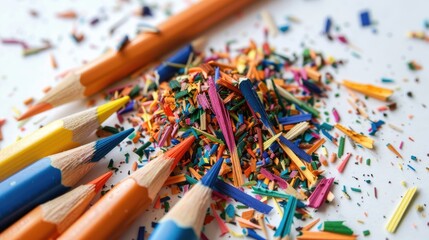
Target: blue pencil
{"type": "Point", "coordinates": [50, 177]}
{"type": "Point", "coordinates": [185, 220]}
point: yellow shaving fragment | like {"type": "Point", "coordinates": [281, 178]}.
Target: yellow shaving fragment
{"type": "Point", "coordinates": [359, 138]}
{"type": "Point", "coordinates": [301, 167]}
{"type": "Point", "coordinates": [235, 234]}
{"type": "Point", "coordinates": [146, 118]}
{"type": "Point", "coordinates": [271, 140]}
{"type": "Point", "coordinates": [324, 151]}
{"type": "Point", "coordinates": [369, 90]}
{"type": "Point", "coordinates": [279, 210]}
{"type": "Point", "coordinates": [291, 191]}
{"type": "Point", "coordinates": [330, 197]}
{"type": "Point", "coordinates": [297, 130]}
{"type": "Point", "coordinates": [400, 210]}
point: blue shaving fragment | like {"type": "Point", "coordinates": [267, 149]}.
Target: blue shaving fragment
{"type": "Point", "coordinates": [226, 189]}
{"type": "Point", "coordinates": [326, 126]}
{"type": "Point", "coordinates": [295, 119]}
{"type": "Point", "coordinates": [140, 235]}
{"type": "Point", "coordinates": [375, 126]}
{"type": "Point", "coordinates": [328, 25]}
{"type": "Point", "coordinates": [365, 19]}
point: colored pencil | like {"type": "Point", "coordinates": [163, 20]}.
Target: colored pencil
{"type": "Point", "coordinates": [60, 135]}
{"type": "Point", "coordinates": [50, 177]}
{"type": "Point", "coordinates": [144, 49]}
{"type": "Point", "coordinates": [49, 220]}
{"type": "Point", "coordinates": [185, 220]}
{"type": "Point", "coordinates": [116, 210]}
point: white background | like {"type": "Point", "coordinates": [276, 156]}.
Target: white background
{"type": "Point", "coordinates": [383, 54]}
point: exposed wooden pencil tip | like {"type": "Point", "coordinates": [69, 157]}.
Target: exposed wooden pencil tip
{"type": "Point", "coordinates": [34, 110]}
{"type": "Point", "coordinates": [105, 145]}
{"type": "Point", "coordinates": [104, 111]}
{"type": "Point", "coordinates": [199, 44]}
{"type": "Point", "coordinates": [101, 180]}
{"type": "Point", "coordinates": [179, 150]}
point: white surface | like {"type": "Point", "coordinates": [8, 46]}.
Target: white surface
{"type": "Point", "coordinates": [382, 55]}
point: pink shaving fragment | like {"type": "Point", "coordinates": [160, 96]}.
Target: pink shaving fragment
{"type": "Point", "coordinates": [321, 192]}
{"type": "Point", "coordinates": [15, 41]}
{"type": "Point", "coordinates": [336, 115]}
{"type": "Point", "coordinates": [222, 226]}
{"type": "Point", "coordinates": [280, 181]}
{"type": "Point", "coordinates": [343, 163]}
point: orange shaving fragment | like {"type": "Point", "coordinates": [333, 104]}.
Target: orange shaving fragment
{"type": "Point", "coordinates": [369, 90]}
{"type": "Point", "coordinates": [195, 174]}
{"type": "Point", "coordinates": [359, 138]}
{"type": "Point", "coordinates": [28, 101]}
{"type": "Point", "coordinates": [248, 214]}
{"type": "Point", "coordinates": [313, 74]}
{"type": "Point", "coordinates": [306, 235]}
{"type": "Point", "coordinates": [310, 225]}
{"type": "Point", "coordinates": [316, 146]}
{"type": "Point", "coordinates": [175, 179]}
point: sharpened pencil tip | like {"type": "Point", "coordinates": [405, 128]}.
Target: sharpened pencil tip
{"type": "Point", "coordinates": [104, 111]}
{"type": "Point", "coordinates": [105, 145]}
{"type": "Point", "coordinates": [100, 181]}
{"type": "Point", "coordinates": [34, 110]}
{"type": "Point", "coordinates": [211, 176]}
{"type": "Point", "coordinates": [179, 150]}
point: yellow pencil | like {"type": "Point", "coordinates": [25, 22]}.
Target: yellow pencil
{"type": "Point", "coordinates": [60, 135]}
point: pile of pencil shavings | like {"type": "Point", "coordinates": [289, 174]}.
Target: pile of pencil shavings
{"type": "Point", "coordinates": [247, 110]}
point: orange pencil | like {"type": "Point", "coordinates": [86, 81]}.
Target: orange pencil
{"type": "Point", "coordinates": [49, 220]}
{"type": "Point", "coordinates": [144, 49]}
{"type": "Point", "coordinates": [113, 213]}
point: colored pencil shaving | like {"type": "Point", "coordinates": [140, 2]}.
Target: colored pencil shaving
{"type": "Point", "coordinates": [297, 130]}
{"type": "Point", "coordinates": [359, 138]}
{"type": "Point", "coordinates": [50, 177]}
{"type": "Point", "coordinates": [369, 90]}
{"type": "Point", "coordinates": [222, 226]}
{"type": "Point", "coordinates": [55, 137]}
{"type": "Point", "coordinates": [318, 197]}
{"type": "Point", "coordinates": [284, 228]}
{"type": "Point", "coordinates": [52, 218]}
{"type": "Point", "coordinates": [336, 227]}
{"type": "Point", "coordinates": [392, 148]}
{"type": "Point", "coordinates": [344, 162]}
{"type": "Point", "coordinates": [225, 125]}
{"type": "Point", "coordinates": [290, 149]}
{"type": "Point", "coordinates": [133, 195]}
{"type": "Point", "coordinates": [310, 225]}
{"type": "Point", "coordinates": [400, 210]}
{"type": "Point", "coordinates": [242, 197]}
